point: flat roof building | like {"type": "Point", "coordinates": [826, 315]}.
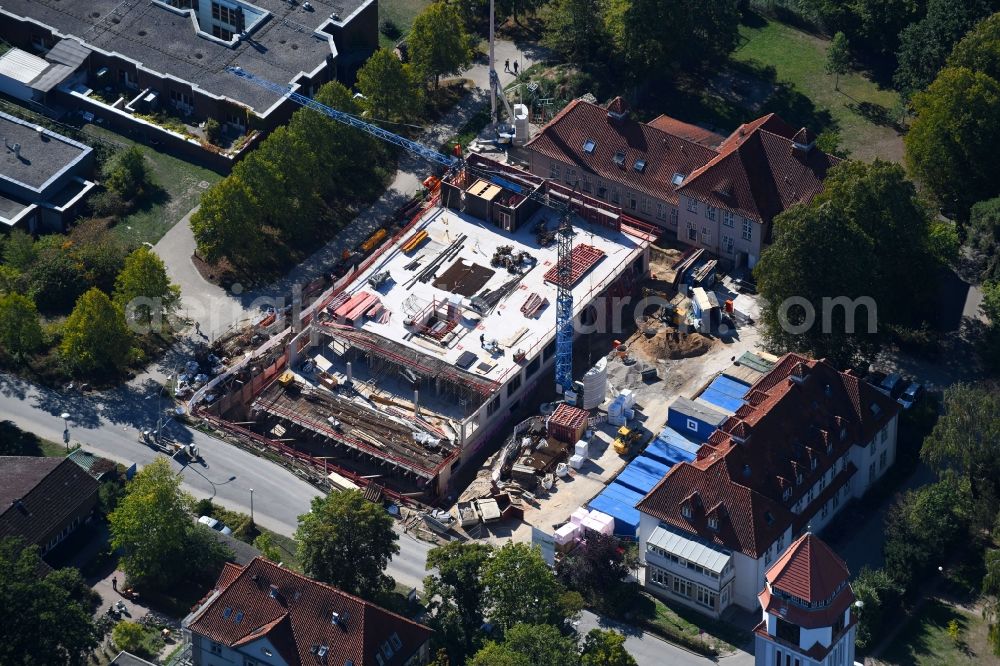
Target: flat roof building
{"type": "Point", "coordinates": [43, 175]}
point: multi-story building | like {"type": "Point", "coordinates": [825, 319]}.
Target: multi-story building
{"type": "Point", "coordinates": [807, 439]}
{"type": "Point", "coordinates": [265, 615]}
{"type": "Point", "coordinates": [714, 193]}
{"type": "Point", "coordinates": [806, 605]}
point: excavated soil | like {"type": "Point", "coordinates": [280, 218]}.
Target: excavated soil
{"type": "Point", "coordinates": [666, 343]}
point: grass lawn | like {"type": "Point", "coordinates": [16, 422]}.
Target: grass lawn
{"type": "Point", "coordinates": [679, 621]}
{"type": "Point", "coordinates": [924, 641]}
{"type": "Point", "coordinates": [401, 13]}
{"type": "Point", "coordinates": [182, 184]}
{"type": "Point", "coordinates": [799, 58]}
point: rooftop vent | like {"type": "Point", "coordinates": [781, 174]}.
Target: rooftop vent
{"type": "Point", "coordinates": [640, 165]}
{"type": "Point", "coordinates": [589, 145]}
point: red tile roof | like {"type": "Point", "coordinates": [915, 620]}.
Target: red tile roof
{"type": "Point", "coordinates": [569, 416]}
{"type": "Point", "coordinates": [665, 154]}
{"type": "Point", "coordinates": [296, 614]}
{"type": "Point", "coordinates": [793, 429]}
{"type": "Point", "coordinates": [759, 171]}
{"type": "Point", "coordinates": [38, 495]}
{"type": "Point", "coordinates": [809, 570]}
{"type": "Point", "coordinates": [684, 130]}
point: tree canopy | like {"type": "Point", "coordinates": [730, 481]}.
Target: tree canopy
{"type": "Point", "coordinates": [127, 175]}
{"type": "Point", "coordinates": [347, 541]}
{"type": "Point", "coordinates": [95, 336]}
{"type": "Point", "coordinates": [838, 57]}
{"type": "Point", "coordinates": [598, 570]}
{"type": "Point", "coordinates": [528, 645]}
{"type": "Point", "coordinates": [520, 588]}
{"type": "Point", "coordinates": [47, 619]}
{"type": "Point", "coordinates": [142, 289]}
{"type": "Point", "coordinates": [20, 329]}
{"type": "Point", "coordinates": [984, 235]}
{"type": "Point", "coordinates": [575, 29]}
{"type": "Point", "coordinates": [455, 596]}
{"type": "Point", "coordinates": [979, 49]}
{"type": "Point", "coordinates": [438, 42]}
{"type": "Point", "coordinates": [605, 648]}
{"type": "Point", "coordinates": [392, 90]}
{"type": "Point", "coordinates": [949, 147]}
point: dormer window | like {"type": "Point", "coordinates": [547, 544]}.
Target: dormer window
{"type": "Point", "coordinates": [686, 510]}
{"type": "Point", "coordinates": [713, 523]}
{"type": "Point", "coordinates": [798, 479]}
{"type": "Point", "coordinates": [640, 165]}
{"type": "Point", "coordinates": [787, 494]}
{"type": "Point", "coordinates": [619, 158]}
{"type": "Point", "coordinates": [589, 145]}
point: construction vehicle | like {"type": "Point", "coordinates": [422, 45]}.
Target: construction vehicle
{"type": "Point", "coordinates": [626, 439]}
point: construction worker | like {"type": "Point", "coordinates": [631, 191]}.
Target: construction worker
{"type": "Point", "coordinates": [506, 65]}
{"type": "Point", "coordinates": [515, 68]}
{"type": "Point", "coordinates": [482, 339]}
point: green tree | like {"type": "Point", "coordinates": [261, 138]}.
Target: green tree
{"type": "Point", "coordinates": [20, 330]}
{"type": "Point", "coordinates": [226, 223]}
{"type": "Point", "coordinates": [438, 42]}
{"type": "Point", "coordinates": [151, 525]}
{"type": "Point", "coordinates": [983, 234]}
{"type": "Point", "coordinates": [498, 654]}
{"type": "Point", "coordinates": [838, 58]}
{"type": "Point", "coordinates": [265, 544]}
{"type": "Point", "coordinates": [127, 175]}
{"type": "Point", "coordinates": [575, 30]}
{"type": "Point", "coordinates": [605, 648]}
{"type": "Point", "coordinates": [991, 590]}
{"type": "Point", "coordinates": [926, 44]}
{"type": "Point", "coordinates": [979, 49]}
{"type": "Point", "coordinates": [881, 601]}
{"type": "Point", "coordinates": [598, 570]}
{"type": "Point", "coordinates": [57, 277]}
{"type": "Point", "coordinates": [535, 644]}
{"type": "Point", "coordinates": [455, 595]}
{"type": "Point", "coordinates": [95, 336]}
{"type": "Point", "coordinates": [347, 541]}
{"type": "Point", "coordinates": [520, 587]}
{"type": "Point", "coordinates": [991, 302]}
{"type": "Point", "coordinates": [128, 636]}
{"type": "Point", "coordinates": [392, 90]}
{"type": "Point", "coordinates": [143, 290]}
{"type": "Point", "coordinates": [949, 145]}
{"type": "Point", "coordinates": [48, 619]}
{"type": "Point", "coordinates": [19, 250]}
{"type": "Point", "coordinates": [966, 441]}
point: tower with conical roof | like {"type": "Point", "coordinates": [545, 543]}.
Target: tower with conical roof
{"type": "Point", "coordinates": [807, 606]}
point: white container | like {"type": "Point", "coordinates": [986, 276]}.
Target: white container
{"type": "Point", "coordinates": [576, 462]}
{"type": "Point", "coordinates": [582, 449]}
{"type": "Point", "coordinates": [578, 516]}
{"type": "Point", "coordinates": [566, 533]}
{"type": "Point", "coordinates": [628, 397]}
{"type": "Point", "coordinates": [595, 385]}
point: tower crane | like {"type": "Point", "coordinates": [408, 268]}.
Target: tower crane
{"type": "Point", "coordinates": [564, 292]}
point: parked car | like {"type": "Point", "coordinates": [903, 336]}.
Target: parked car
{"type": "Point", "coordinates": [214, 524]}
{"type": "Point", "coordinates": [892, 385]}
{"type": "Point", "coordinates": [911, 395]}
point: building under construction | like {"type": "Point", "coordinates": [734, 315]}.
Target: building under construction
{"type": "Point", "coordinates": [405, 368]}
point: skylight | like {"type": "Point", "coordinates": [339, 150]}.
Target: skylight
{"type": "Point", "coordinates": [239, 617]}
{"type": "Point", "coordinates": [589, 145]}
{"type": "Point", "coordinates": [677, 179]}
{"type": "Point", "coordinates": [227, 612]}
{"type": "Point", "coordinates": [640, 165]}
{"type": "Point", "coordinates": [620, 158]}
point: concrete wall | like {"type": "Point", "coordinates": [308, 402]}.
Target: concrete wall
{"type": "Point", "coordinates": [710, 234]}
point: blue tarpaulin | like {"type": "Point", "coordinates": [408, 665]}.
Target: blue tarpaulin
{"type": "Point", "coordinates": [642, 474]}
{"type": "Point", "coordinates": [619, 502]}
{"type": "Point", "coordinates": [670, 447]}
{"type": "Point", "coordinates": [725, 392]}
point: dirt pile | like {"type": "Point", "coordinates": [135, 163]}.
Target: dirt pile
{"type": "Point", "coordinates": [654, 341]}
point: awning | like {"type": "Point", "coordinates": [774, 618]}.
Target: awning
{"type": "Point", "coordinates": [691, 548]}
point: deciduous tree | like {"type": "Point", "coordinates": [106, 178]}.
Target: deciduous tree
{"type": "Point", "coordinates": [881, 600]}
{"type": "Point", "coordinates": [949, 147]}
{"type": "Point", "coordinates": [392, 90]}
{"type": "Point", "coordinates": [46, 619]}
{"type": "Point", "coordinates": [19, 250]}
{"type": "Point", "coordinates": [520, 588]}
{"type": "Point", "coordinates": [438, 42]}
{"type": "Point", "coordinates": [56, 278]}
{"type": "Point", "coordinates": [838, 58]}
{"type": "Point", "coordinates": [597, 569]}
{"type": "Point", "coordinates": [530, 644]}
{"type": "Point", "coordinates": [95, 336]}
{"type": "Point", "coordinates": [226, 223]}
{"type": "Point", "coordinates": [347, 541]}
{"type": "Point", "coordinates": [128, 636]}
{"type": "Point", "coordinates": [127, 174]}
{"type": "Point", "coordinates": [143, 290]}
{"type": "Point", "coordinates": [979, 49]}
{"type": "Point", "coordinates": [984, 236]}
{"type": "Point", "coordinates": [455, 595]}
{"type": "Point", "coordinates": [20, 330]}
{"type": "Point", "coordinates": [605, 648]}
{"type": "Point", "coordinates": [575, 29]}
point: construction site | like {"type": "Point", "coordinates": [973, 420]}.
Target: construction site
{"type": "Point", "coordinates": [406, 368]}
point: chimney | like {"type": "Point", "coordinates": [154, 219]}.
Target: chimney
{"type": "Point", "coordinates": [17, 149]}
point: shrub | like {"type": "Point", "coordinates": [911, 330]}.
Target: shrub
{"type": "Point", "coordinates": [213, 130]}
{"type": "Point", "coordinates": [108, 204]}
{"type": "Point", "coordinates": [389, 28]}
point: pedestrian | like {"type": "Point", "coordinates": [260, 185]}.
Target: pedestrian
{"type": "Point", "coordinates": [197, 327]}
{"type": "Point", "coordinates": [506, 65]}
{"type": "Point", "coordinates": [482, 339]}
{"type": "Point", "coordinates": [515, 68]}
{"type": "Point", "coordinates": [114, 583]}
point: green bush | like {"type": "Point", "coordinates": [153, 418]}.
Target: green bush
{"type": "Point", "coordinates": [213, 130]}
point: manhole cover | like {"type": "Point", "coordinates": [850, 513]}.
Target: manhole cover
{"type": "Point", "coordinates": [203, 184]}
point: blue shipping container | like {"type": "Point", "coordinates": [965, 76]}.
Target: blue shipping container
{"type": "Point", "coordinates": [695, 420]}
{"type": "Point", "coordinates": [619, 502]}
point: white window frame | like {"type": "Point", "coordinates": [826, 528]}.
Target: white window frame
{"type": "Point", "coordinates": [747, 229]}
{"type": "Point", "coordinates": [727, 218]}
{"type": "Point", "coordinates": [692, 206]}
{"type": "Point", "coordinates": [710, 212]}
{"type": "Point", "coordinates": [661, 211]}
{"type": "Point", "coordinates": [674, 214]}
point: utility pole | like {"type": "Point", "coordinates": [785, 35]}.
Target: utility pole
{"type": "Point", "coordinates": [251, 507]}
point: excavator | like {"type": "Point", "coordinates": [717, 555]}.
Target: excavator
{"type": "Point", "coordinates": [626, 439]}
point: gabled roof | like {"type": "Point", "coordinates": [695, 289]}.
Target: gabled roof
{"type": "Point", "coordinates": [809, 570]}
{"type": "Point", "coordinates": [761, 170]}
{"type": "Point", "coordinates": [687, 131]}
{"type": "Point", "coordinates": [39, 494]}
{"type": "Point", "coordinates": [665, 154]}
{"type": "Point", "coordinates": [300, 616]}
{"type": "Point", "coordinates": [796, 430]}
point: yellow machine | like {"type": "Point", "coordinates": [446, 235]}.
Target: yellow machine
{"type": "Point", "coordinates": [626, 438]}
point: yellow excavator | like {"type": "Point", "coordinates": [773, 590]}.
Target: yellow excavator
{"type": "Point", "coordinates": [627, 437]}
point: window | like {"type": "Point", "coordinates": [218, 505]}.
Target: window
{"type": "Point", "coordinates": [713, 523]}
{"type": "Point", "coordinates": [727, 218]}
{"type": "Point", "coordinates": [781, 543]}
{"type": "Point", "coordinates": [686, 510]}
{"type": "Point", "coordinates": [644, 205]}
{"type": "Point", "coordinates": [658, 576]}
{"type": "Point", "coordinates": [692, 206]}
{"type": "Point", "coordinates": [884, 434]}
{"type": "Point", "coordinates": [602, 191]}
{"type": "Point", "coordinates": [710, 212]}
{"type": "Point", "coordinates": [553, 170]}
{"type": "Point", "coordinates": [514, 385]}
{"type": "Point", "coordinates": [615, 194]}
{"type": "Point", "coordinates": [661, 211]}
{"type": "Point", "coordinates": [767, 558]}
{"type": "Point", "coordinates": [871, 446]}
{"type": "Point", "coordinates": [706, 236]}
{"type": "Point", "coordinates": [215, 648]}
{"type": "Point", "coordinates": [640, 165]}
{"type": "Point", "coordinates": [221, 33]}
{"type": "Point", "coordinates": [871, 472]}
{"type": "Point", "coordinates": [673, 217]}
{"type": "Point", "coordinates": [882, 460]}
{"type": "Point", "coordinates": [619, 158]}
{"type": "Point", "coordinates": [533, 366]}
{"type": "Point", "coordinates": [727, 244]}
{"type": "Point", "coordinates": [229, 15]}
{"type": "Point", "coordinates": [632, 203]}
{"type": "Point", "coordinates": [798, 479]}
{"type": "Point", "coordinates": [706, 597]}
{"type": "Point", "coordinates": [747, 229]}
{"type": "Point", "coordinates": [585, 184]}
{"type": "Point", "coordinates": [589, 145]}
{"type": "Point", "coordinates": [786, 495]}
{"type": "Point", "coordinates": [570, 177]}
{"type": "Point", "coordinates": [692, 233]}
{"type": "Point", "coordinates": [825, 509]}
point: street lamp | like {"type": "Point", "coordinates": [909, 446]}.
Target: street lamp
{"type": "Point", "coordinates": [65, 417]}
{"type": "Point", "coordinates": [251, 507]}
